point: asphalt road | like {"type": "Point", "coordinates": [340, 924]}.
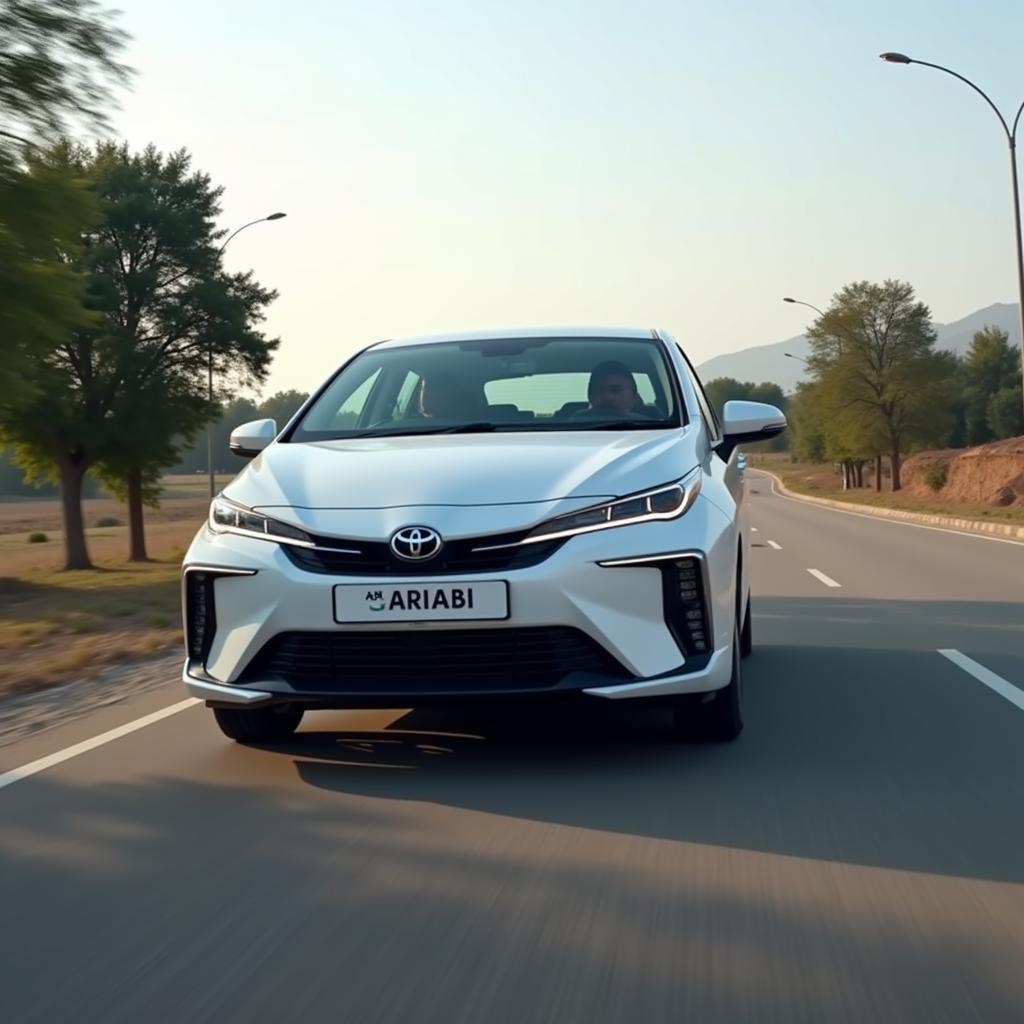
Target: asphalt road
{"type": "Point", "coordinates": [857, 855]}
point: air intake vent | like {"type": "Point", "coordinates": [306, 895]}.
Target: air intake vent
{"type": "Point", "coordinates": [199, 607]}
{"type": "Point", "coordinates": [200, 616]}
{"type": "Point", "coordinates": [686, 611]}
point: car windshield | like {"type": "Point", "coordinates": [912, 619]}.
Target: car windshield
{"type": "Point", "coordinates": [519, 384]}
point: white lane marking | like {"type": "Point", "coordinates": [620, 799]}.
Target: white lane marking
{"type": "Point", "coordinates": [827, 580]}
{"type": "Point", "coordinates": [34, 767]}
{"type": "Point", "coordinates": [898, 522]}
{"type": "Point", "coordinates": [754, 529]}
{"type": "Point", "coordinates": [989, 678]}
{"type": "Point", "coordinates": [772, 544]}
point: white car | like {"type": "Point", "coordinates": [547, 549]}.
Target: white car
{"type": "Point", "coordinates": [524, 514]}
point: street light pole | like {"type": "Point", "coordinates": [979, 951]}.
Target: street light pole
{"type": "Point", "coordinates": [809, 305]}
{"type": "Point", "coordinates": [209, 361]}
{"type": "Point", "coordinates": [1011, 138]}
{"type": "Point", "coordinates": [800, 302]}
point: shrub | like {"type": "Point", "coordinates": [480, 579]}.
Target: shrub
{"type": "Point", "coordinates": [935, 476]}
{"type": "Point", "coordinates": [37, 538]}
{"type": "Point", "coordinates": [108, 521]}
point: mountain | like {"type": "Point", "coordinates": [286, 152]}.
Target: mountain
{"type": "Point", "coordinates": [958, 335]}
{"type": "Point", "coordinates": [768, 362]}
{"type": "Point", "coordinates": [765, 362]}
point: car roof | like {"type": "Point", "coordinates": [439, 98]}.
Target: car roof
{"type": "Point", "coordinates": [508, 333]}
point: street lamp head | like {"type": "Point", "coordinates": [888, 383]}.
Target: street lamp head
{"type": "Point", "coordinates": [277, 216]}
{"type": "Point", "coordinates": [896, 58]}
{"type": "Point", "coordinates": [786, 298]}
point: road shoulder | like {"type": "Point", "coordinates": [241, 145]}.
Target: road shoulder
{"type": "Point", "coordinates": [966, 526]}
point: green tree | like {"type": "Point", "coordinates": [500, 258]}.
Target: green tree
{"type": "Point", "coordinates": [45, 208]}
{"type": "Point", "coordinates": [281, 406]}
{"type": "Point", "coordinates": [166, 309]}
{"type": "Point", "coordinates": [156, 272]}
{"type": "Point", "coordinates": [769, 393]}
{"type": "Point", "coordinates": [875, 349]}
{"type": "Point", "coordinates": [990, 368]}
{"type": "Point", "coordinates": [57, 68]}
{"type": "Point", "coordinates": [193, 455]}
{"type": "Point", "coordinates": [155, 421]}
{"type": "Point", "coordinates": [805, 424]}
{"type": "Point", "coordinates": [852, 435]}
{"type": "Point", "coordinates": [1003, 413]}
{"type": "Point", "coordinates": [727, 389]}
{"type": "Point", "coordinates": [58, 64]}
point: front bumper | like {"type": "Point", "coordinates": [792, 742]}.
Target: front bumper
{"type": "Point", "coordinates": [713, 674]}
{"type": "Point", "coordinates": [618, 607]}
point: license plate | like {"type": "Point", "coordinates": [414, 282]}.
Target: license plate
{"type": "Point", "coordinates": [420, 602]}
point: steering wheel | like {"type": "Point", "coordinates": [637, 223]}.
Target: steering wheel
{"type": "Point", "coordinates": [608, 414]}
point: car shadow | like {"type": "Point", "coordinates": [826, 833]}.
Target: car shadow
{"type": "Point", "coordinates": [852, 753]}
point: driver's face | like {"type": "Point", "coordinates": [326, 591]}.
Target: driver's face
{"type": "Point", "coordinates": [614, 394]}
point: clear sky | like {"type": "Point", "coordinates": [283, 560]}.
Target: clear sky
{"type": "Point", "coordinates": [468, 163]}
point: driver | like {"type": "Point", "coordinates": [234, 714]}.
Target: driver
{"type": "Point", "coordinates": [612, 389]}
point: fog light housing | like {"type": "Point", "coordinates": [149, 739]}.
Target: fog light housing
{"type": "Point", "coordinates": [199, 609]}
{"type": "Point", "coordinates": [200, 615]}
{"type": "Point", "coordinates": [686, 611]}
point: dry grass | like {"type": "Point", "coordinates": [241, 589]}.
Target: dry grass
{"type": "Point", "coordinates": [184, 497]}
{"type": "Point", "coordinates": [820, 481]}
{"type": "Point", "coordinates": [57, 626]}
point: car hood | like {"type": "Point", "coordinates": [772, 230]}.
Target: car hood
{"type": "Point", "coordinates": [322, 485]}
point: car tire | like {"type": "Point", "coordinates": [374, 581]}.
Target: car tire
{"type": "Point", "coordinates": [747, 632]}
{"type": "Point", "coordinates": [258, 725]}
{"type": "Point", "coordinates": [715, 717]}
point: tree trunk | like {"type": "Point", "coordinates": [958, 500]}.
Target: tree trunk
{"type": "Point", "coordinates": [76, 552]}
{"type": "Point", "coordinates": [846, 476]}
{"type": "Point", "coordinates": [878, 473]}
{"type": "Point", "coordinates": [136, 522]}
{"type": "Point", "coordinates": [858, 474]}
{"type": "Point", "coordinates": [895, 461]}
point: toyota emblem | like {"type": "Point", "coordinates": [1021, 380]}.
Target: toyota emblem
{"type": "Point", "coordinates": [416, 543]}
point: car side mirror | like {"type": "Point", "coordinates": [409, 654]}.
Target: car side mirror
{"type": "Point", "coordinates": [747, 422]}
{"type": "Point", "coordinates": [248, 440]}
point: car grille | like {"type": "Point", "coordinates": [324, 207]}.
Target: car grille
{"type": "Point", "coordinates": [450, 660]}
{"type": "Point", "coordinates": [374, 558]}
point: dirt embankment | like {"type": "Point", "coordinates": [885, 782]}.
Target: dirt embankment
{"type": "Point", "coordinates": [991, 474]}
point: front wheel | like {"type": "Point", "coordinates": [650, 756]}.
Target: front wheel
{"type": "Point", "coordinates": [258, 725]}
{"type": "Point", "coordinates": [747, 632]}
{"type": "Point", "coordinates": [715, 717]}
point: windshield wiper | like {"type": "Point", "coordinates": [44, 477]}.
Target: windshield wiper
{"type": "Point", "coordinates": [622, 425]}
{"type": "Point", "coordinates": [482, 427]}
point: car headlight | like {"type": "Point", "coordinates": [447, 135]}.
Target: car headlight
{"type": "Point", "coordinates": [668, 502]}
{"type": "Point", "coordinates": [227, 517]}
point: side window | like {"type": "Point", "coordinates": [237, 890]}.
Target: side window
{"type": "Point", "coordinates": [350, 411]}
{"type": "Point", "coordinates": [405, 403]}
{"type": "Point", "coordinates": [707, 413]}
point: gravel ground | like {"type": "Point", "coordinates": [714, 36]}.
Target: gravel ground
{"type": "Point", "coordinates": [30, 713]}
